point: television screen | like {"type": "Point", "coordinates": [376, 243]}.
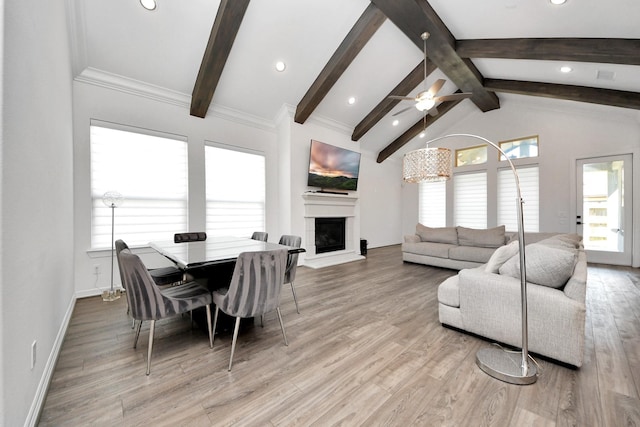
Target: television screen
{"type": "Point", "coordinates": [333, 167]}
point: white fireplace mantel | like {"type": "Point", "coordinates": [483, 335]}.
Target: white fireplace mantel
{"type": "Point", "coordinates": [327, 205]}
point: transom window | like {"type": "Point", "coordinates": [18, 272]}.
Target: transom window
{"type": "Point", "coordinates": [471, 156]}
{"type": "Point", "coordinates": [520, 148]}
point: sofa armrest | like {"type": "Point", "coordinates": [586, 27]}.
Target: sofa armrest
{"type": "Point", "coordinates": [411, 238]}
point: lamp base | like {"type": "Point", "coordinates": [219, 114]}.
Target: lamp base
{"type": "Point", "coordinates": [506, 366]}
{"type": "Point", "coordinates": [111, 295]}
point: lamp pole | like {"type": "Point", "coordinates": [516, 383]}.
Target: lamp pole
{"type": "Point", "coordinates": [495, 361]}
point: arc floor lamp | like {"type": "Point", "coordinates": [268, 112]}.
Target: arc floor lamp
{"type": "Point", "coordinates": [432, 164]}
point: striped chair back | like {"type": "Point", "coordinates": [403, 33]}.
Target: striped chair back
{"type": "Point", "coordinates": [256, 283]}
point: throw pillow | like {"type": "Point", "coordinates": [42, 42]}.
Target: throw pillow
{"type": "Point", "coordinates": [546, 265]}
{"type": "Point", "coordinates": [502, 255]}
{"type": "Point", "coordinates": [485, 238]}
{"type": "Point", "coordinates": [437, 235]}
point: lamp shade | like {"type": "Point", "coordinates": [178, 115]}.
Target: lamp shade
{"type": "Point", "coordinates": [427, 165]}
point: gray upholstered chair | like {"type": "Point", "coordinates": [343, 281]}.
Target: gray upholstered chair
{"type": "Point", "coordinates": [148, 302]}
{"type": "Point", "coordinates": [196, 236]}
{"type": "Point", "coordinates": [292, 263]}
{"type": "Point", "coordinates": [161, 276]}
{"type": "Point", "coordinates": [254, 289]}
{"type": "Point", "coordinates": [260, 235]}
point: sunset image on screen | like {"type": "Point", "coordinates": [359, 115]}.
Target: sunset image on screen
{"type": "Point", "coordinates": [333, 167]}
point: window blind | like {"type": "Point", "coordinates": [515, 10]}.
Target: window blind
{"type": "Point", "coordinates": [235, 189]}
{"type": "Point", "coordinates": [470, 199]}
{"type": "Point", "coordinates": [432, 205]}
{"type": "Point", "coordinates": [151, 174]}
{"type": "Point", "coordinates": [507, 198]}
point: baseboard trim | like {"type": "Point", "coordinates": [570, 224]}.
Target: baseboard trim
{"type": "Point", "coordinates": [47, 375]}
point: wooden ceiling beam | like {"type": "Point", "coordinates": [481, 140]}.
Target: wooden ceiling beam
{"type": "Point", "coordinates": [413, 17]}
{"type": "Point", "coordinates": [366, 26]}
{"type": "Point", "coordinates": [409, 83]}
{"type": "Point", "coordinates": [616, 98]}
{"type": "Point", "coordinates": [415, 130]}
{"type": "Point", "coordinates": [608, 51]}
{"type": "Point", "coordinates": [223, 34]}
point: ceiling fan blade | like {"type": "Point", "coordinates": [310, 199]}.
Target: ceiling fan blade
{"type": "Point", "coordinates": [436, 86]}
{"type": "Point", "coordinates": [403, 98]}
{"type": "Point", "coordinates": [453, 97]}
{"type": "Point", "coordinates": [401, 111]}
{"type": "Point", "coordinates": [433, 111]}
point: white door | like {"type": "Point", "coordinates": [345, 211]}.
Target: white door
{"type": "Point", "coordinates": [604, 208]}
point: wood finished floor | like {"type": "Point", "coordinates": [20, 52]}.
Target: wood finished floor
{"type": "Point", "coordinates": [367, 349]}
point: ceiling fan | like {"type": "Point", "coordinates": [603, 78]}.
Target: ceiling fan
{"type": "Point", "coordinates": [427, 99]}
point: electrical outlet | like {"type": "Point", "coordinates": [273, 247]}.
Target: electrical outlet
{"type": "Point", "coordinates": [33, 354]}
{"type": "Point", "coordinates": [96, 269]}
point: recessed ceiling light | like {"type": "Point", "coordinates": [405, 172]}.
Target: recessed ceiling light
{"type": "Point", "coordinates": [149, 4]}
{"type": "Point", "coordinates": [351, 100]}
{"type": "Point", "coordinates": [396, 122]}
{"type": "Point", "coordinates": [558, 2]}
{"type": "Point", "coordinates": [280, 66]}
{"type": "Point", "coordinates": [566, 69]}
{"type": "Point", "coordinates": [422, 135]}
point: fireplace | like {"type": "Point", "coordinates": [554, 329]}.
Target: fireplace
{"type": "Point", "coordinates": [340, 241]}
{"type": "Point", "coordinates": [330, 234]}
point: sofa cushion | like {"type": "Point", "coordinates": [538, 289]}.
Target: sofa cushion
{"type": "Point", "coordinates": [502, 255]}
{"type": "Point", "coordinates": [471, 253]}
{"type": "Point", "coordinates": [440, 250]}
{"type": "Point", "coordinates": [437, 235]}
{"type": "Point", "coordinates": [485, 238]}
{"type": "Point", "coordinates": [546, 265]}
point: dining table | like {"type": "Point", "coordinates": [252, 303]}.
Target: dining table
{"type": "Point", "coordinates": [211, 262]}
{"type": "Point", "coordinates": [213, 251]}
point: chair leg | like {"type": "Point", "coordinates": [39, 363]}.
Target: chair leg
{"type": "Point", "coordinates": [282, 326]}
{"type": "Point", "coordinates": [209, 326]}
{"type": "Point", "coordinates": [295, 299]}
{"type": "Point", "coordinates": [233, 343]}
{"type": "Point", "coordinates": [262, 320]}
{"type": "Point", "coordinates": [135, 342]}
{"type": "Point", "coordinates": [215, 322]}
{"type": "Point", "coordinates": [152, 328]}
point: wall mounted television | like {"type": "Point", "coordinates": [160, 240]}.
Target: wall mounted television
{"type": "Point", "coordinates": [333, 168]}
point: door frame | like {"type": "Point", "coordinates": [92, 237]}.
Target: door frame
{"type": "Point", "coordinates": [628, 257]}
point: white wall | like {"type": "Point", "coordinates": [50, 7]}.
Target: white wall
{"type": "Point", "coordinates": [567, 131]}
{"type": "Point", "coordinates": [37, 196]}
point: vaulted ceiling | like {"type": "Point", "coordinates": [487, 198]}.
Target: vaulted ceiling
{"type": "Point", "coordinates": [220, 56]}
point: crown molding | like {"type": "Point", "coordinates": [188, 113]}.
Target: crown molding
{"type": "Point", "coordinates": [142, 89]}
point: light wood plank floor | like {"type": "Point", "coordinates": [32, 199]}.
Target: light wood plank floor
{"type": "Point", "coordinates": [367, 349]}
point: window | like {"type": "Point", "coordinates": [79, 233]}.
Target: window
{"type": "Point", "coordinates": [235, 183]}
{"type": "Point", "coordinates": [507, 198]}
{"type": "Point", "coordinates": [150, 171]}
{"type": "Point", "coordinates": [471, 156]}
{"type": "Point", "coordinates": [470, 199]}
{"type": "Point", "coordinates": [520, 148]}
{"type": "Point", "coordinates": [432, 209]}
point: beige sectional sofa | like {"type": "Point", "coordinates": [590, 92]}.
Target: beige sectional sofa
{"type": "Point", "coordinates": [485, 300]}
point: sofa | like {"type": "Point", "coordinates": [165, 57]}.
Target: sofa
{"type": "Point", "coordinates": [486, 300]}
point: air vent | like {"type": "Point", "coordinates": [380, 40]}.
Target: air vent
{"type": "Point", "coordinates": [605, 75]}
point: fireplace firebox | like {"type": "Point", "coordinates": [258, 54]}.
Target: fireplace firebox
{"type": "Point", "coordinates": [330, 234]}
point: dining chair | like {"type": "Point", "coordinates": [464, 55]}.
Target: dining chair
{"type": "Point", "coordinates": [260, 235]}
{"type": "Point", "coordinates": [149, 302]}
{"type": "Point", "coordinates": [162, 276]}
{"type": "Point", "coordinates": [197, 236]}
{"type": "Point", "coordinates": [292, 263]}
{"type": "Point", "coordinates": [254, 289]}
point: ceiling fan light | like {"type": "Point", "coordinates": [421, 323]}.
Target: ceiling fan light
{"type": "Point", "coordinates": [425, 104]}
{"type": "Point", "coordinates": [149, 4]}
